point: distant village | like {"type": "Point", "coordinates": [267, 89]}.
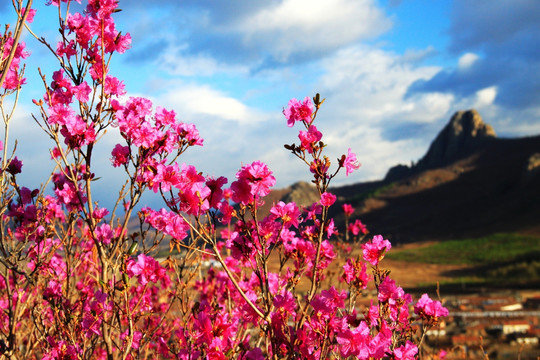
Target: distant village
{"type": "Point", "coordinates": [502, 326]}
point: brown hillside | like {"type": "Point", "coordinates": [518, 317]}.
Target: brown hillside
{"type": "Point", "coordinates": [469, 183]}
{"type": "Point", "coordinates": [496, 188]}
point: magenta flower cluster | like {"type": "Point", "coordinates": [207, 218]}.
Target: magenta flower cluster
{"type": "Point", "coordinates": [216, 273]}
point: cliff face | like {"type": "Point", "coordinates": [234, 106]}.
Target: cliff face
{"type": "Point", "coordinates": [464, 133]}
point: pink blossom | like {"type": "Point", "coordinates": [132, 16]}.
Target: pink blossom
{"type": "Point", "coordinates": [374, 250]}
{"type": "Point", "coordinates": [285, 302]}
{"type": "Point", "coordinates": [328, 302]}
{"type": "Point", "coordinates": [357, 227]}
{"type": "Point", "coordinates": [327, 199]}
{"type": "Point", "coordinates": [59, 114]}
{"type": "Point", "coordinates": [254, 181]}
{"type": "Point", "coordinates": [355, 273]}
{"type": "Point", "coordinates": [289, 213]}
{"type": "Point", "coordinates": [216, 191]}
{"type": "Point", "coordinates": [188, 132]}
{"type": "Point", "coordinates": [13, 78]}
{"type": "Point", "coordinates": [350, 163]}
{"type": "Point", "coordinates": [104, 233]}
{"type": "Point", "coordinates": [167, 177]}
{"type": "Point", "coordinates": [68, 50]}
{"type": "Point", "coordinates": [82, 91]}
{"type": "Point", "coordinates": [164, 117]}
{"type": "Point", "coordinates": [137, 336]}
{"type": "Point", "coordinates": [113, 86]}
{"type": "Point", "coordinates": [391, 293]}
{"type": "Point", "coordinates": [168, 222]}
{"type": "Point", "coordinates": [100, 213]}
{"type": "Point", "coordinates": [298, 111]}
{"type": "Point", "coordinates": [123, 43]}
{"type": "Point", "coordinates": [309, 138]}
{"type": "Point", "coordinates": [406, 352]}
{"type": "Point", "coordinates": [429, 309]}
{"type": "Point", "coordinates": [31, 14]}
{"type": "Point", "coordinates": [120, 155]}
{"type": "Point", "coordinates": [145, 269]}
{"type": "Point", "coordinates": [355, 342]}
{"type": "Point", "coordinates": [347, 209]}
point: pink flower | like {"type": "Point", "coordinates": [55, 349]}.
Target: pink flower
{"type": "Point", "coordinates": [310, 137]}
{"type": "Point", "coordinates": [100, 213]}
{"type": "Point", "coordinates": [357, 227]}
{"type": "Point", "coordinates": [328, 302]}
{"type": "Point", "coordinates": [298, 111]}
{"type": "Point", "coordinates": [164, 117]}
{"type": "Point", "coordinates": [82, 91]}
{"type": "Point", "coordinates": [169, 223]}
{"type": "Point", "coordinates": [216, 191]}
{"type": "Point", "coordinates": [355, 272]}
{"type": "Point", "coordinates": [145, 269]}
{"type": "Point", "coordinates": [113, 86]}
{"type": "Point", "coordinates": [123, 43]}
{"type": "Point", "coordinates": [69, 50]}
{"type": "Point", "coordinates": [120, 155]}
{"type": "Point", "coordinates": [391, 293]}
{"type": "Point", "coordinates": [289, 213]}
{"type": "Point", "coordinates": [189, 133]}
{"type": "Point", "coordinates": [429, 309]}
{"type": "Point", "coordinates": [355, 342]}
{"type": "Point", "coordinates": [167, 177]}
{"type": "Point", "coordinates": [104, 233]}
{"type": "Point", "coordinates": [347, 209]}
{"type": "Point", "coordinates": [31, 14]}
{"type": "Point", "coordinates": [350, 163]}
{"type": "Point", "coordinates": [254, 181]}
{"type": "Point", "coordinates": [406, 352]}
{"type": "Point", "coordinates": [327, 199]}
{"type": "Point", "coordinates": [137, 336]}
{"type": "Point", "coordinates": [374, 250]}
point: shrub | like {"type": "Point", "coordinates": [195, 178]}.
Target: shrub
{"type": "Point", "coordinates": [75, 283]}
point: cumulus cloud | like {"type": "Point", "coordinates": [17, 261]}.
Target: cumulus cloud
{"type": "Point", "coordinates": [269, 33]}
{"type": "Point", "coordinates": [299, 26]}
{"type": "Point", "coordinates": [201, 100]}
{"type": "Point", "coordinates": [467, 60]}
{"type": "Point", "coordinates": [505, 33]}
{"type": "Point", "coordinates": [366, 87]}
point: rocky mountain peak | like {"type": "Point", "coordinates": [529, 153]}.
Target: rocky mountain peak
{"type": "Point", "coordinates": [302, 193]}
{"type": "Point", "coordinates": [465, 131]}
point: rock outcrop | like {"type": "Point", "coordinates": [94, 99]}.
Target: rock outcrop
{"type": "Point", "coordinates": [464, 133]}
{"type": "Point", "coordinates": [302, 193]}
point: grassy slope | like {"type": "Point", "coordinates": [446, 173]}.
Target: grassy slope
{"type": "Point", "coordinates": [498, 257]}
{"type": "Point", "coordinates": [481, 251]}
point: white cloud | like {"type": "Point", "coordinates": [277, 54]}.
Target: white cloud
{"type": "Point", "coordinates": [467, 60]}
{"type": "Point", "coordinates": [371, 84]}
{"type": "Point", "coordinates": [303, 25]}
{"type": "Point", "coordinates": [202, 100]}
{"type": "Point", "coordinates": [177, 61]}
{"type": "Point", "coordinates": [485, 97]}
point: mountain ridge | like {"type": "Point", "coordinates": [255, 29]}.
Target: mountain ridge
{"type": "Point", "coordinates": [469, 183]}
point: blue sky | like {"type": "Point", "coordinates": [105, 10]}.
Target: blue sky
{"type": "Point", "coordinates": [393, 72]}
